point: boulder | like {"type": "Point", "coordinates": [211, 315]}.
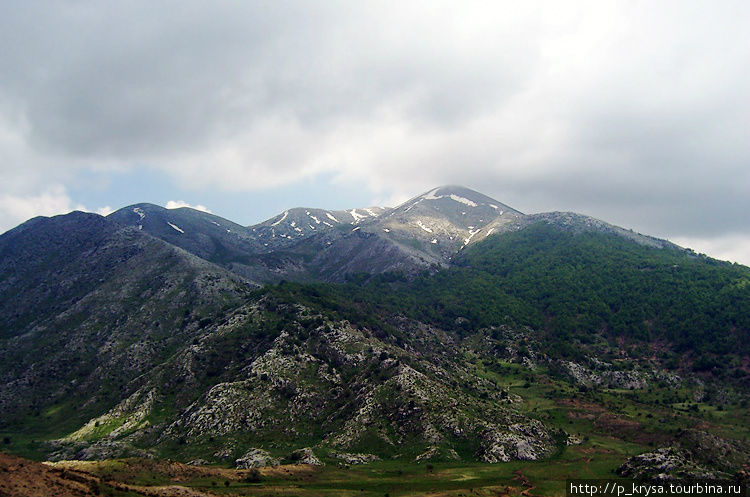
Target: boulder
{"type": "Point", "coordinates": [256, 458]}
{"type": "Point", "coordinates": [305, 456]}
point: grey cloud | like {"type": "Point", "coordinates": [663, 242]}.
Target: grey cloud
{"type": "Point", "coordinates": [150, 78]}
{"type": "Point", "coordinates": [630, 112]}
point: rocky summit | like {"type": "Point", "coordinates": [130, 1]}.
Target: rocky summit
{"type": "Point", "coordinates": [450, 329]}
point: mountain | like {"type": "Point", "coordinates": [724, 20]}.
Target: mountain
{"type": "Point", "coordinates": [449, 218]}
{"type": "Point", "coordinates": [449, 328]}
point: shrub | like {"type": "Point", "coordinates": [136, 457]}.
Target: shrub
{"type": "Point", "coordinates": [253, 476]}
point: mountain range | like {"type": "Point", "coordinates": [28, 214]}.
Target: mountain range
{"type": "Point", "coordinates": [449, 328]}
{"type": "Point", "coordinates": [307, 244]}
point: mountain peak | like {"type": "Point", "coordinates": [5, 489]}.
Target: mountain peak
{"type": "Point", "coordinates": [455, 189]}
{"type": "Point", "coordinates": [458, 197]}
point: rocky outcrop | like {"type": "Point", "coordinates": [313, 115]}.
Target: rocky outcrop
{"type": "Point", "coordinates": [528, 441]}
{"type": "Point", "coordinates": [305, 456]}
{"type": "Point", "coordinates": [256, 458]}
{"type": "Point", "coordinates": [601, 375]}
{"type": "Point", "coordinates": [436, 453]}
{"type": "Point", "coordinates": [695, 454]}
{"type": "Point", "coordinates": [60, 450]}
{"type": "Point", "coordinates": [664, 464]}
{"type": "Point", "coordinates": [713, 451]}
{"type": "Point", "coordinates": [349, 458]}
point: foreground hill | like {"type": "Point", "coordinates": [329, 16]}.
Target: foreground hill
{"type": "Point", "coordinates": [88, 307]}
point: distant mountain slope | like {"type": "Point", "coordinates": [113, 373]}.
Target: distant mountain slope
{"type": "Point", "coordinates": [448, 218]}
{"type": "Point", "coordinates": [307, 244]}
{"type": "Point", "coordinates": [429, 230]}
{"type": "Point", "coordinates": [43, 266]}
{"type": "Point", "coordinates": [578, 223]}
{"type": "Point", "coordinates": [210, 237]}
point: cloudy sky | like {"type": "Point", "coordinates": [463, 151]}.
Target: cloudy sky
{"type": "Point", "coordinates": [637, 113]}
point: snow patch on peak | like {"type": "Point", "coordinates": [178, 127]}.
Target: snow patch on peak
{"type": "Point", "coordinates": [471, 235]}
{"type": "Point", "coordinates": [286, 213]}
{"type": "Point", "coordinates": [356, 215]}
{"type": "Point", "coordinates": [428, 230]}
{"type": "Point", "coordinates": [330, 216]}
{"type": "Point", "coordinates": [370, 212]}
{"type": "Point", "coordinates": [317, 221]}
{"type": "Point", "coordinates": [463, 200]}
{"type": "Point", "coordinates": [175, 227]}
{"type": "Point", "coordinates": [140, 212]}
{"type": "Point", "coordinates": [431, 196]}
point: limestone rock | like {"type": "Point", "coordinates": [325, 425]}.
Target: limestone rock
{"type": "Point", "coordinates": [305, 456]}
{"type": "Point", "coordinates": [664, 464]}
{"type": "Point", "coordinates": [350, 458]}
{"type": "Point", "coordinates": [256, 458]}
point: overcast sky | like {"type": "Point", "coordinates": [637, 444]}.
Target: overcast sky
{"type": "Point", "coordinates": [637, 113]}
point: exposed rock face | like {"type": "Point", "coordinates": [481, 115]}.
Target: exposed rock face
{"type": "Point", "coordinates": [438, 453]}
{"type": "Point", "coordinates": [662, 464]}
{"type": "Point", "coordinates": [305, 456]}
{"type": "Point", "coordinates": [256, 458]}
{"type": "Point", "coordinates": [573, 440]}
{"type": "Point", "coordinates": [349, 458]}
{"type": "Point", "coordinates": [60, 450]}
{"type": "Point", "coordinates": [527, 441]}
{"type": "Point", "coordinates": [605, 377]}
{"type": "Point", "coordinates": [696, 454]}
{"type": "Point", "coordinates": [716, 452]}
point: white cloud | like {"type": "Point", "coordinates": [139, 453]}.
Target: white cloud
{"type": "Point", "coordinates": [176, 204]}
{"type": "Point", "coordinates": [731, 247]}
{"type": "Point", "coordinates": [16, 209]}
{"type": "Point", "coordinates": [105, 211]}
